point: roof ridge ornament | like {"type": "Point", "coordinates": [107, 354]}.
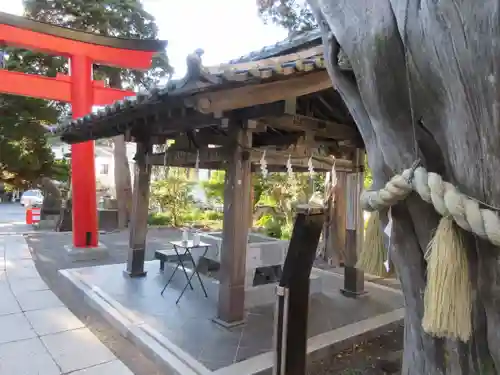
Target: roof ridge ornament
{"type": "Point", "coordinates": [196, 73]}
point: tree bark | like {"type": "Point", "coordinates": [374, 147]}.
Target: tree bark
{"type": "Point", "coordinates": [123, 181]}
{"type": "Point", "coordinates": [52, 197]}
{"type": "Point", "coordinates": [449, 82]}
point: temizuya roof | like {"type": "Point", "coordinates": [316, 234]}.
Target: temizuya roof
{"type": "Point", "coordinates": [296, 56]}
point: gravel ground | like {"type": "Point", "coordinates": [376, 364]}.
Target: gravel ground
{"type": "Point", "coordinates": [381, 355]}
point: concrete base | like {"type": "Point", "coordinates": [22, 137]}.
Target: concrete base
{"type": "Point", "coordinates": [49, 223]}
{"type": "Point", "coordinates": [78, 254]}
{"type": "Point", "coordinates": [266, 294]}
{"type": "Point", "coordinates": [227, 325]}
{"type": "Point", "coordinates": [178, 361]}
{"type": "Point", "coordinates": [351, 294]}
{"type": "Point", "coordinates": [134, 275]}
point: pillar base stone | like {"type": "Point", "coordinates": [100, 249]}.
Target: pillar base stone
{"type": "Point", "coordinates": [78, 254]}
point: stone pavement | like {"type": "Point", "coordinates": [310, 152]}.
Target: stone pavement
{"type": "Point", "coordinates": [38, 334]}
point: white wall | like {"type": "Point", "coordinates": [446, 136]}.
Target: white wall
{"type": "Point", "coordinates": [103, 156]}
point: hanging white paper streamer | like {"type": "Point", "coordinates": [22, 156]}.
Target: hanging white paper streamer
{"type": "Point", "coordinates": [388, 233]}
{"type": "Point", "coordinates": [263, 165]}
{"type": "Point", "coordinates": [310, 167]}
{"type": "Point", "coordinates": [197, 165]}
{"type": "Point", "coordinates": [289, 167]}
{"type": "Point", "coordinates": [166, 154]}
{"type": "Point", "coordinates": [334, 173]}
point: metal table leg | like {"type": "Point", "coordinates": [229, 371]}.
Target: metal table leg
{"type": "Point", "coordinates": [195, 269]}
{"type": "Point", "coordinates": [184, 268]}
{"type": "Point", "coordinates": [179, 263]}
{"type": "Point", "coordinates": [195, 272]}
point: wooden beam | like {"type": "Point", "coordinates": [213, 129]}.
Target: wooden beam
{"type": "Point", "coordinates": [166, 125]}
{"type": "Point", "coordinates": [231, 303]}
{"type": "Point", "coordinates": [261, 93]}
{"type": "Point", "coordinates": [170, 122]}
{"type": "Point", "coordinates": [219, 156]}
{"type": "Point", "coordinates": [207, 136]}
{"type": "Point", "coordinates": [320, 127]}
{"type": "Point", "coordinates": [140, 211]}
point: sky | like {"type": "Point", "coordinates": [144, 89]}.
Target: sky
{"type": "Point", "coordinates": [224, 29]}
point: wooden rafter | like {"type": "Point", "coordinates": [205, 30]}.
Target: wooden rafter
{"type": "Point", "coordinates": [255, 94]}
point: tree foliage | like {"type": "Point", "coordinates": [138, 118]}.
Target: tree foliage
{"type": "Point", "coordinates": [214, 187]}
{"type": "Point", "coordinates": [24, 153]}
{"type": "Point", "coordinates": [293, 15]}
{"type": "Point", "coordinates": [173, 194]}
{"type": "Point", "coordinates": [116, 18]}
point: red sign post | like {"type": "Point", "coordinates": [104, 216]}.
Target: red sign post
{"type": "Point", "coordinates": [79, 89]}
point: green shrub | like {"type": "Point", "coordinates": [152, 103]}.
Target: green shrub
{"type": "Point", "coordinates": [286, 231]}
{"type": "Point", "coordinates": [172, 194]}
{"type": "Point", "coordinates": [192, 216]}
{"type": "Point", "coordinates": [264, 220]}
{"type": "Point", "coordinates": [160, 218]}
{"type": "Point", "coordinates": [213, 215]}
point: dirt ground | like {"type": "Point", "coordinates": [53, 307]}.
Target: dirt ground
{"type": "Point", "coordinates": [379, 356]}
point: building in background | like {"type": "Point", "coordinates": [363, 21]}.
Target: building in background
{"type": "Point", "coordinates": [104, 164]}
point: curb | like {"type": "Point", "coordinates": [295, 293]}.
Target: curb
{"type": "Point", "coordinates": [166, 354]}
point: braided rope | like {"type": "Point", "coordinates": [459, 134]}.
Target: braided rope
{"type": "Point", "coordinates": [445, 198]}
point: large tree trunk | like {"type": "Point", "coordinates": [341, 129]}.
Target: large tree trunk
{"type": "Point", "coordinates": [52, 198]}
{"type": "Point", "coordinates": [123, 181]}
{"type": "Point", "coordinates": [453, 63]}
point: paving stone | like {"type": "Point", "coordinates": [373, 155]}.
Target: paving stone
{"type": "Point", "coordinates": [36, 300]}
{"type": "Point", "coordinates": [20, 286]}
{"type": "Point", "coordinates": [15, 327]}
{"type": "Point", "coordinates": [27, 357]}
{"type": "Point", "coordinates": [19, 263]}
{"type": "Point", "coordinates": [8, 303]}
{"type": "Point", "coordinates": [20, 269]}
{"type": "Point", "coordinates": [14, 251]}
{"type": "Point", "coordinates": [54, 320]}
{"type": "Point", "coordinates": [67, 348]}
{"type": "Point", "coordinates": [110, 368]}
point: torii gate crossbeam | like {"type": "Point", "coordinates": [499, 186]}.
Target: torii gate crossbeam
{"type": "Point", "coordinates": [83, 50]}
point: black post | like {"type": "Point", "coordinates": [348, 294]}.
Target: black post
{"type": "Point", "coordinates": [292, 306]}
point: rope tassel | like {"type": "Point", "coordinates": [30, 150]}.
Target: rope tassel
{"type": "Point", "coordinates": [372, 257]}
{"type": "Point", "coordinates": [447, 299]}
{"type": "Point", "coordinates": [448, 294]}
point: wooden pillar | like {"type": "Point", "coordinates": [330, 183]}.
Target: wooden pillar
{"type": "Point", "coordinates": [140, 210]}
{"type": "Point", "coordinates": [354, 278]}
{"type": "Point", "coordinates": [250, 206]}
{"type": "Point", "coordinates": [231, 304]}
{"type": "Point", "coordinates": [336, 231]}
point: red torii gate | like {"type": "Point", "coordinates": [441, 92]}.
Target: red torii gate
{"type": "Point", "coordinates": [83, 49]}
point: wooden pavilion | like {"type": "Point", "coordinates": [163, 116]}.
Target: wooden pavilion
{"type": "Point", "coordinates": [279, 99]}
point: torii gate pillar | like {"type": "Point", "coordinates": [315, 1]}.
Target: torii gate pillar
{"type": "Point", "coordinates": [82, 158]}
{"type": "Point", "coordinates": [83, 50]}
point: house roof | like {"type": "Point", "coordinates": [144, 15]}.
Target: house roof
{"type": "Point", "coordinates": [297, 55]}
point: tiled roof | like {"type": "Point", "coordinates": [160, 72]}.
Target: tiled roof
{"type": "Point", "coordinates": [270, 63]}
{"type": "Point", "coordinates": [296, 40]}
